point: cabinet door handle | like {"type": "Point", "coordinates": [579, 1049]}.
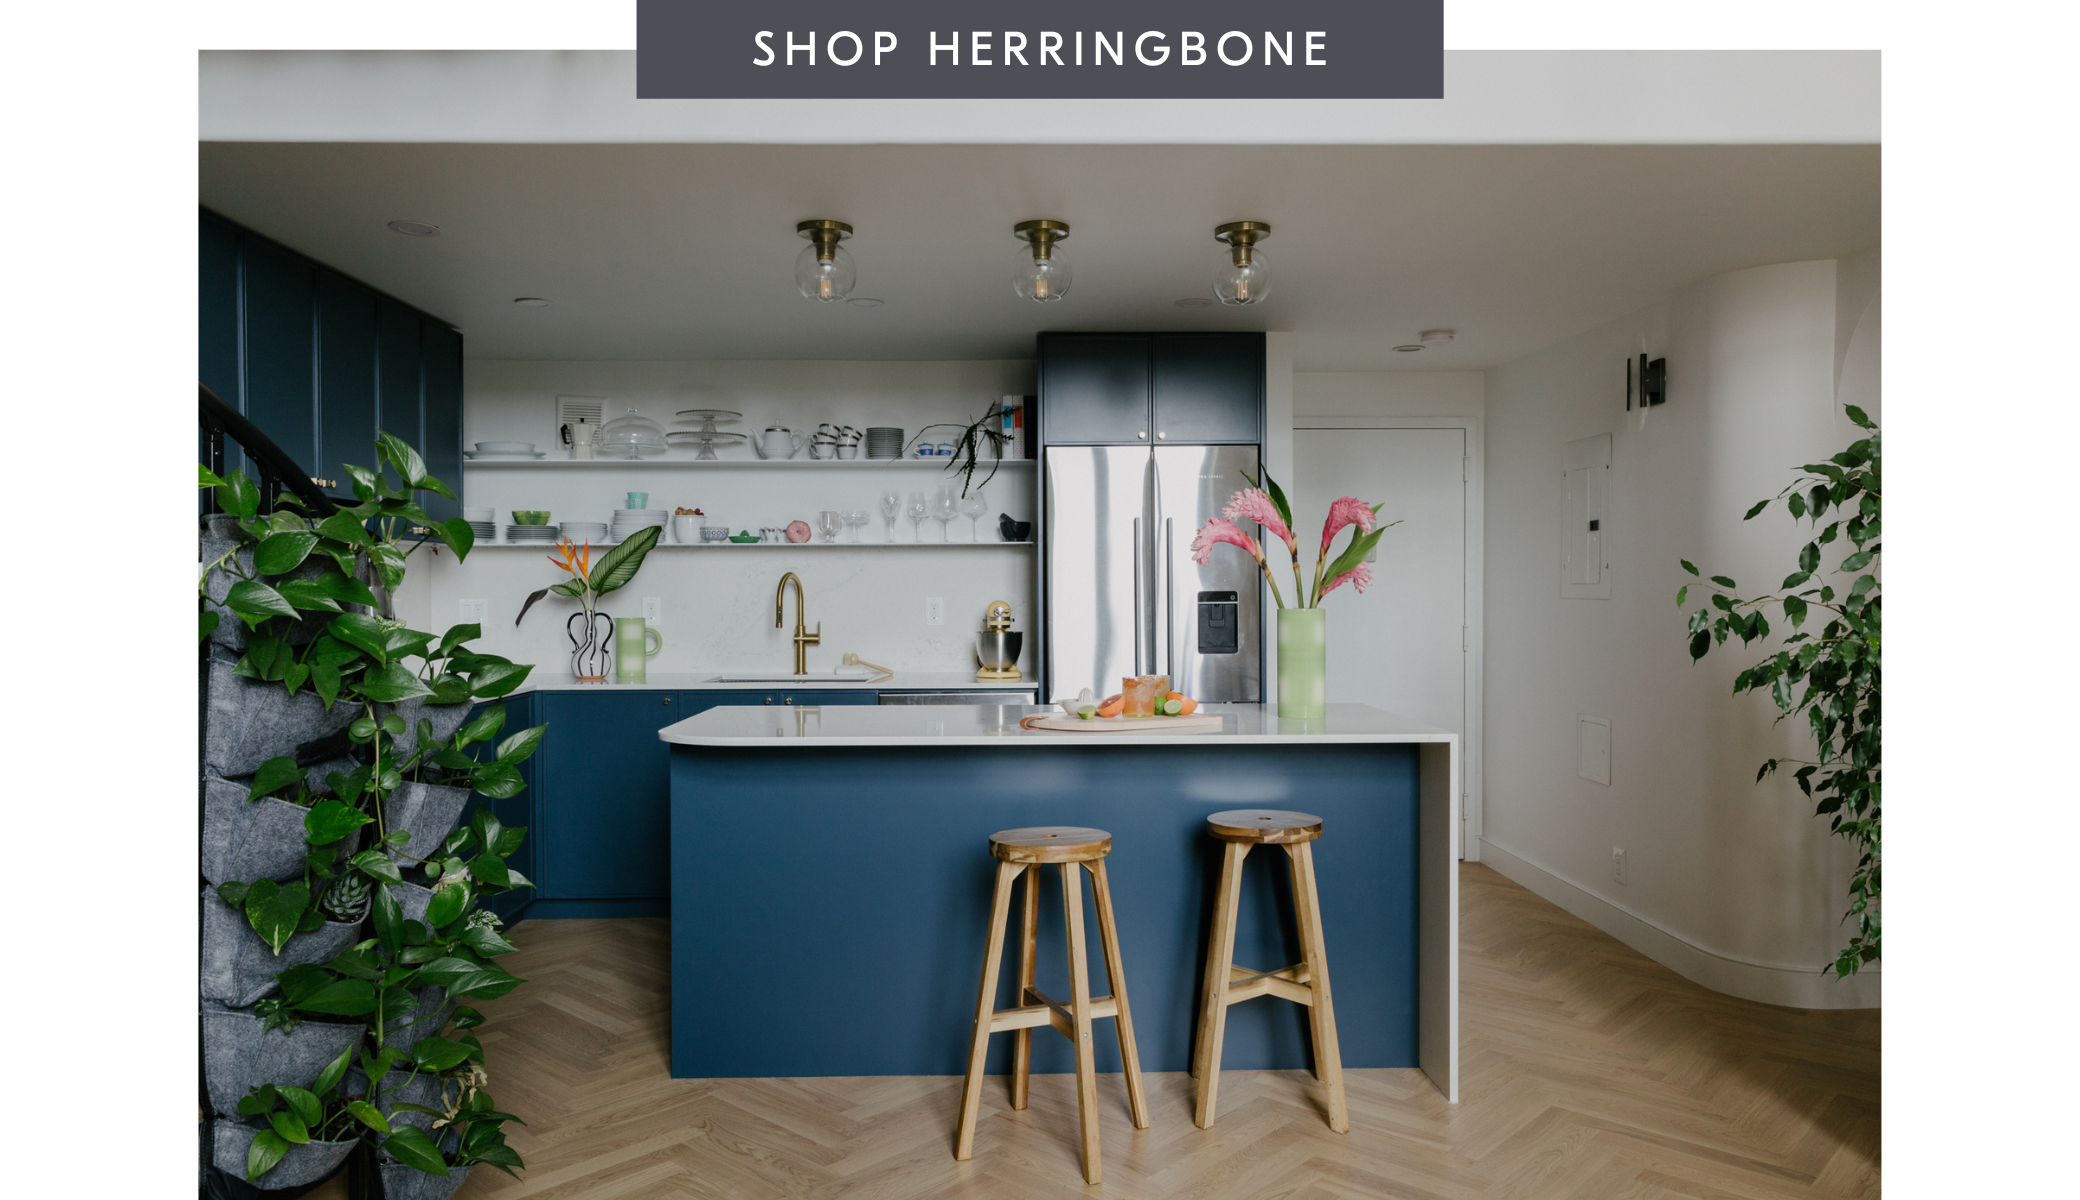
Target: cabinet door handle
{"type": "Point", "coordinates": [667, 699]}
{"type": "Point", "coordinates": [769, 699]}
{"type": "Point", "coordinates": [789, 700]}
{"type": "Point", "coordinates": [1142, 434]}
{"type": "Point", "coordinates": [1160, 435]}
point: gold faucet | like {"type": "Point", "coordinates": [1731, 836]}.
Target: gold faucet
{"type": "Point", "coordinates": [803, 639]}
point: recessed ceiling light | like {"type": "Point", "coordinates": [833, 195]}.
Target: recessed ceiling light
{"type": "Point", "coordinates": [530, 302]}
{"type": "Point", "coordinates": [865, 302]}
{"type": "Point", "coordinates": [1194, 302]}
{"type": "Point", "coordinates": [415, 229]}
{"type": "Point", "coordinates": [1408, 349]}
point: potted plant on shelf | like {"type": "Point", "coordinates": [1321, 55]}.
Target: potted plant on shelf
{"type": "Point", "coordinates": [592, 649]}
{"type": "Point", "coordinates": [1831, 674]}
{"type": "Point", "coordinates": [985, 430]}
{"type": "Point", "coordinates": [1302, 628]}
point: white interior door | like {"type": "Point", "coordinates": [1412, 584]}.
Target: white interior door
{"type": "Point", "coordinates": [1405, 645]}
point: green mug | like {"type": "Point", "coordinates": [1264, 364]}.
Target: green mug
{"type": "Point", "coordinates": [632, 645]}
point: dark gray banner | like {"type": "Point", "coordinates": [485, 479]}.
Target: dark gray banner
{"type": "Point", "coordinates": [1069, 49]}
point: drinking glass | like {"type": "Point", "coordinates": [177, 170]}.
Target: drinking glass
{"type": "Point", "coordinates": [946, 506]}
{"type": "Point", "coordinates": [891, 504]}
{"type": "Point", "coordinates": [973, 507]}
{"type": "Point", "coordinates": [854, 518]}
{"type": "Point", "coordinates": [918, 510]}
{"type": "Point", "coordinates": [831, 521]}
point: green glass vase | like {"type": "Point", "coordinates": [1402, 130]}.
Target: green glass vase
{"type": "Point", "coordinates": [1303, 652]}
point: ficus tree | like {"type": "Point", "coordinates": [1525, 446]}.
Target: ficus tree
{"type": "Point", "coordinates": [1826, 668]}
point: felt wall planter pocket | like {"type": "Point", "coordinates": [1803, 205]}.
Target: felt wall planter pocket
{"type": "Point", "coordinates": [306, 1163]}
{"type": "Point", "coordinates": [427, 812]}
{"type": "Point", "coordinates": [249, 840]}
{"type": "Point", "coordinates": [426, 1018]}
{"type": "Point", "coordinates": [238, 1055]}
{"type": "Point", "coordinates": [237, 966]}
{"type": "Point", "coordinates": [250, 721]}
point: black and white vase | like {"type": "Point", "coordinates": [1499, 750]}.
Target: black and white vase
{"type": "Point", "coordinates": [592, 646]}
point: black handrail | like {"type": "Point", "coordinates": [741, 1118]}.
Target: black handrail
{"type": "Point", "coordinates": [278, 470]}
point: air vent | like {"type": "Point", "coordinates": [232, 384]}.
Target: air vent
{"type": "Point", "coordinates": [570, 410]}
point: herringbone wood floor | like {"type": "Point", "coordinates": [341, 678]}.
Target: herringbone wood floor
{"type": "Point", "coordinates": [1590, 1072]}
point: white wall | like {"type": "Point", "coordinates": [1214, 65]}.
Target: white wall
{"type": "Point", "coordinates": [1734, 884]}
{"type": "Point", "coordinates": [717, 602]}
{"type": "Point", "coordinates": [1389, 394]}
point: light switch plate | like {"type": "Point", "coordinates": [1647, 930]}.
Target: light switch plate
{"type": "Point", "coordinates": [653, 610]}
{"type": "Point", "coordinates": [1593, 749]}
{"type": "Point", "coordinates": [935, 610]}
{"type": "Point", "coordinates": [473, 612]}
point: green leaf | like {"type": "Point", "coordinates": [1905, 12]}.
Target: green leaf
{"type": "Point", "coordinates": [488, 868]}
{"type": "Point", "coordinates": [483, 728]}
{"type": "Point", "coordinates": [438, 1054]}
{"type": "Point", "coordinates": [281, 553]}
{"type": "Point", "coordinates": [465, 979]}
{"type": "Point", "coordinates": [376, 865]}
{"type": "Point", "coordinates": [368, 1114]}
{"type": "Point", "coordinates": [345, 589]}
{"type": "Point", "coordinates": [345, 997]}
{"type": "Point", "coordinates": [1700, 643]}
{"type": "Point", "coordinates": [1682, 594]}
{"type": "Point", "coordinates": [486, 942]}
{"type": "Point", "coordinates": [1797, 504]}
{"type": "Point", "coordinates": [363, 632]}
{"type": "Point", "coordinates": [1361, 545]}
{"type": "Point", "coordinates": [334, 1071]}
{"type": "Point", "coordinates": [518, 747]}
{"type": "Point", "coordinates": [330, 820]}
{"type": "Point", "coordinates": [255, 601]}
{"type": "Point", "coordinates": [447, 904]}
{"type": "Point", "coordinates": [303, 1104]}
{"type": "Point", "coordinates": [394, 682]}
{"type": "Point", "coordinates": [456, 533]}
{"type": "Point", "coordinates": [209, 478]}
{"type": "Point", "coordinates": [485, 825]}
{"type": "Point", "coordinates": [237, 496]}
{"type": "Point", "coordinates": [307, 596]}
{"type": "Point", "coordinates": [1688, 565]}
{"type": "Point", "coordinates": [1724, 582]}
{"type": "Point", "coordinates": [493, 680]}
{"type": "Point", "coordinates": [209, 623]}
{"type": "Point", "coordinates": [620, 564]}
{"type": "Point", "coordinates": [410, 467]}
{"type": "Point", "coordinates": [410, 1146]}
{"type": "Point", "coordinates": [267, 1150]}
{"type": "Point", "coordinates": [388, 917]}
{"type": "Point", "coordinates": [346, 527]}
{"type": "Point", "coordinates": [509, 840]}
{"type": "Point", "coordinates": [1759, 506]}
{"type": "Point", "coordinates": [274, 774]}
{"type": "Point", "coordinates": [289, 1125]}
{"type": "Point", "coordinates": [1809, 557]}
{"type": "Point", "coordinates": [274, 910]}
{"type": "Point", "coordinates": [1857, 418]}
{"type": "Point", "coordinates": [499, 781]}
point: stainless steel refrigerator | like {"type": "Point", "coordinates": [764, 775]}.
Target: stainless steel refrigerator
{"type": "Point", "coordinates": [1123, 594]}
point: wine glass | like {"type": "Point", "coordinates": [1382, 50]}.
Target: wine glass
{"type": "Point", "coordinates": [918, 511]}
{"type": "Point", "coordinates": [831, 521]}
{"type": "Point", "coordinates": [973, 507]}
{"type": "Point", "coordinates": [854, 518]}
{"type": "Point", "coordinates": [891, 504]}
{"type": "Point", "coordinates": [946, 505]}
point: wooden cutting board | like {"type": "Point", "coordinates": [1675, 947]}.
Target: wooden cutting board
{"type": "Point", "coordinates": [1064, 723]}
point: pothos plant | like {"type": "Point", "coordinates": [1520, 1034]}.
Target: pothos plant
{"type": "Point", "coordinates": [1827, 670]}
{"type": "Point", "coordinates": [377, 663]}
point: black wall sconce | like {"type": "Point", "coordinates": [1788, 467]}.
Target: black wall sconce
{"type": "Point", "coordinates": [1653, 382]}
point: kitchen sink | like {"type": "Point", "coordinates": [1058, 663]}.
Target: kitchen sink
{"type": "Point", "coordinates": [787, 679]}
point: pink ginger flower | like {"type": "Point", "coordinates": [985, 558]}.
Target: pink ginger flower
{"type": "Point", "coordinates": [1217, 531]}
{"type": "Point", "coordinates": [1347, 511]}
{"type": "Point", "coordinates": [1359, 577]}
{"type": "Point", "coordinates": [1251, 504]}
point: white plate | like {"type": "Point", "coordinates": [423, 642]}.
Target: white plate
{"type": "Point", "coordinates": [503, 454]}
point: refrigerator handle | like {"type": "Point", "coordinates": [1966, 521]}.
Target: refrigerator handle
{"type": "Point", "coordinates": [1170, 599]}
{"type": "Point", "coordinates": [1140, 599]}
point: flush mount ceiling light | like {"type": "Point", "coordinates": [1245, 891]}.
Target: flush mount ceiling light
{"type": "Point", "coordinates": [1245, 278]}
{"type": "Point", "coordinates": [530, 302]}
{"type": "Point", "coordinates": [1437, 339]}
{"type": "Point", "coordinates": [1193, 302]}
{"type": "Point", "coordinates": [1047, 275]}
{"type": "Point", "coordinates": [824, 271]}
{"type": "Point", "coordinates": [415, 229]}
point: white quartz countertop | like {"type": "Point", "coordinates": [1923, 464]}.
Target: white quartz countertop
{"type": "Point", "coordinates": [990, 725]}
{"type": "Point", "coordinates": [705, 681]}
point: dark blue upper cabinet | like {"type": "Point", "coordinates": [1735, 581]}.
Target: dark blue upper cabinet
{"type": "Point", "coordinates": [1094, 389]}
{"type": "Point", "coordinates": [281, 301]}
{"type": "Point", "coordinates": [346, 380]}
{"type": "Point", "coordinates": [1125, 389]}
{"type": "Point", "coordinates": [397, 371]}
{"type": "Point", "coordinates": [1209, 388]}
{"type": "Point", "coordinates": [440, 415]}
{"type": "Point", "coordinates": [217, 358]}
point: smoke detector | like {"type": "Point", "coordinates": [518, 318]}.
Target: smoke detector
{"type": "Point", "coordinates": [1437, 339]}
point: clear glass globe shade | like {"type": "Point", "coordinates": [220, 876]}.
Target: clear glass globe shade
{"type": "Point", "coordinates": [1248, 284]}
{"type": "Point", "coordinates": [1043, 279]}
{"type": "Point", "coordinates": [826, 279]}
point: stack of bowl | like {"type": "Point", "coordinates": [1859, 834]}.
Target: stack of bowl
{"type": "Point", "coordinates": [580, 533]}
{"type": "Point", "coordinates": [632, 520]}
{"type": "Point", "coordinates": [884, 441]}
{"type": "Point", "coordinates": [482, 522]}
{"type": "Point", "coordinates": [529, 526]}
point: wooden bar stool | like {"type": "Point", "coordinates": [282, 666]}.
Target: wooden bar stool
{"type": "Point", "coordinates": [1305, 982]}
{"type": "Point", "coordinates": [1025, 851]}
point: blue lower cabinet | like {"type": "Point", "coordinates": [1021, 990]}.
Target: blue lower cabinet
{"type": "Point", "coordinates": [602, 797]}
{"type": "Point", "coordinates": [696, 702]}
{"type": "Point", "coordinates": [518, 812]}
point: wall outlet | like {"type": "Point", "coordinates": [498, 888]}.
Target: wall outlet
{"type": "Point", "coordinates": [935, 610]}
{"type": "Point", "coordinates": [1617, 865]}
{"type": "Point", "coordinates": [653, 610]}
{"type": "Point", "coordinates": [473, 612]}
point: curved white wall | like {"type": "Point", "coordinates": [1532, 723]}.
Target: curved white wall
{"type": "Point", "coordinates": [1733, 884]}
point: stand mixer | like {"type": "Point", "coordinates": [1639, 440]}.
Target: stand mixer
{"type": "Point", "coordinates": [997, 646]}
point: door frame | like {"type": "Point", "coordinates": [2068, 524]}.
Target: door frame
{"type": "Point", "coordinates": [1474, 481]}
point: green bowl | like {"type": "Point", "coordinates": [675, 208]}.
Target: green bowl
{"type": "Point", "coordinates": [530, 516]}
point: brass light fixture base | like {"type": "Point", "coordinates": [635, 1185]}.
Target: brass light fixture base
{"type": "Point", "coordinates": [1240, 236]}
{"type": "Point", "coordinates": [1042, 235]}
{"type": "Point", "coordinates": [826, 235]}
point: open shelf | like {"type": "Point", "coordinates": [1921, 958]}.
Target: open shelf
{"type": "Point", "coordinates": [726, 464]}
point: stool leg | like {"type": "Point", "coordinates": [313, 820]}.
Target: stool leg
{"type": "Point", "coordinates": [1213, 1004]}
{"type": "Point", "coordinates": [1321, 1015]}
{"type": "Point", "coordinates": [985, 1008]}
{"type": "Point", "coordinates": [1080, 1008]}
{"type": "Point", "coordinates": [1116, 971]}
{"type": "Point", "coordinates": [1022, 1041]}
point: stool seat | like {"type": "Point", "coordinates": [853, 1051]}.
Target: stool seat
{"type": "Point", "coordinates": [1264, 826]}
{"type": "Point", "coordinates": [1050, 844]}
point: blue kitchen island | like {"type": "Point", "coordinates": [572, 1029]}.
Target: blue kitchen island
{"type": "Point", "coordinates": [831, 882]}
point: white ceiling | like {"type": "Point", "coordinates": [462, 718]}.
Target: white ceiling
{"type": "Point", "coordinates": [686, 251]}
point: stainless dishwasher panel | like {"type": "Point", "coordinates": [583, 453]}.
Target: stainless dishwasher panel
{"type": "Point", "coordinates": [991, 697]}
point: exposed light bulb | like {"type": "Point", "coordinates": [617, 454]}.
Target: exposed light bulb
{"type": "Point", "coordinates": [1043, 273]}
{"type": "Point", "coordinates": [824, 270]}
{"type": "Point", "coordinates": [1245, 278]}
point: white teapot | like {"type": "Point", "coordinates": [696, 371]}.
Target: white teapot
{"type": "Point", "coordinates": [778, 441]}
